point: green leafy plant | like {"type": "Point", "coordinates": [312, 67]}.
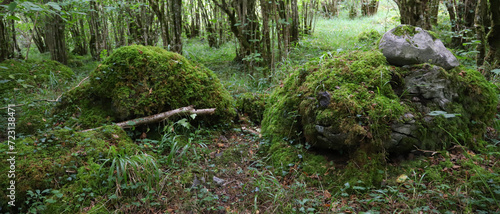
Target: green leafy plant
{"type": "Point", "coordinates": [129, 172]}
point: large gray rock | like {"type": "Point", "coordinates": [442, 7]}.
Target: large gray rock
{"type": "Point", "coordinates": [408, 45]}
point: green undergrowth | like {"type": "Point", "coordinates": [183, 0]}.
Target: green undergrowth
{"type": "Point", "coordinates": [62, 158]}
{"type": "Point", "coordinates": [31, 85]}
{"type": "Point", "coordinates": [19, 76]}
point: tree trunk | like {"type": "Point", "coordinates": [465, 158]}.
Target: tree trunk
{"type": "Point", "coordinates": [369, 7]}
{"type": "Point", "coordinates": [415, 12]}
{"type": "Point", "coordinates": [98, 31]}
{"type": "Point", "coordinates": [329, 7]}
{"type": "Point", "coordinates": [160, 8]}
{"type": "Point", "coordinates": [434, 10]}
{"type": "Point", "coordinates": [177, 22]}
{"type": "Point", "coordinates": [55, 38]}
{"type": "Point", "coordinates": [294, 29]}
{"type": "Point", "coordinates": [479, 24]}
{"type": "Point", "coordinates": [8, 43]}
{"type": "Point", "coordinates": [39, 39]}
{"type": "Point", "coordinates": [210, 26]}
{"type": "Point", "coordinates": [493, 38]}
{"type": "Point", "coordinates": [78, 33]}
{"type": "Point", "coordinates": [462, 13]}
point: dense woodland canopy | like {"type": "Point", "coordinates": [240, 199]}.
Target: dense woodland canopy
{"type": "Point", "coordinates": [264, 30]}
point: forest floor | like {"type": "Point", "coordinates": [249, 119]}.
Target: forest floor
{"type": "Point", "coordinates": [225, 170]}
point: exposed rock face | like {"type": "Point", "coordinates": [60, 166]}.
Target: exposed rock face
{"type": "Point", "coordinates": [408, 45]}
{"type": "Point", "coordinates": [357, 100]}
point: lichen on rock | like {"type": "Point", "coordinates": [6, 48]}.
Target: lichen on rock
{"type": "Point", "coordinates": [137, 81]}
{"type": "Point", "coordinates": [409, 45]}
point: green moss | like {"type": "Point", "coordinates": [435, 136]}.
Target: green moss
{"type": "Point", "coordinates": [405, 30]}
{"type": "Point", "coordinates": [366, 98]}
{"type": "Point", "coordinates": [252, 105]}
{"type": "Point", "coordinates": [137, 81]}
{"type": "Point", "coordinates": [369, 36]}
{"type": "Point", "coordinates": [365, 168]}
{"type": "Point", "coordinates": [32, 118]}
{"type": "Point", "coordinates": [57, 158]}
{"type": "Point", "coordinates": [433, 35]}
{"type": "Point", "coordinates": [28, 74]}
{"type": "Point", "coordinates": [358, 86]}
{"type": "Point", "coordinates": [476, 106]}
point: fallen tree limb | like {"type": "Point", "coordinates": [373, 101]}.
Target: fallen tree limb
{"type": "Point", "coordinates": [160, 117]}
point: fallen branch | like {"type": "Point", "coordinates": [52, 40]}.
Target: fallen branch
{"type": "Point", "coordinates": [160, 117]}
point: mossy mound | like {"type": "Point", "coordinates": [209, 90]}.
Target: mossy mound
{"type": "Point", "coordinates": [252, 105]}
{"type": "Point", "coordinates": [57, 158]}
{"type": "Point", "coordinates": [370, 36]}
{"type": "Point", "coordinates": [356, 100]}
{"type": "Point", "coordinates": [28, 74]}
{"type": "Point", "coordinates": [137, 81]}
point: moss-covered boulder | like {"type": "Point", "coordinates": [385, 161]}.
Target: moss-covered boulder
{"type": "Point", "coordinates": [57, 159]}
{"type": "Point", "coordinates": [369, 36]}
{"type": "Point", "coordinates": [137, 81]}
{"type": "Point", "coordinates": [23, 75]}
{"type": "Point", "coordinates": [23, 80]}
{"type": "Point", "coordinates": [252, 105]}
{"type": "Point", "coordinates": [356, 100]}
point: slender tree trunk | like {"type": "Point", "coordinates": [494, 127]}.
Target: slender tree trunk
{"type": "Point", "coordinates": [177, 22]}
{"type": "Point", "coordinates": [493, 38]}
{"type": "Point", "coordinates": [329, 7]}
{"type": "Point", "coordinates": [8, 43]}
{"type": "Point", "coordinates": [98, 31]}
{"type": "Point", "coordinates": [462, 13]}
{"type": "Point", "coordinates": [39, 39]}
{"type": "Point", "coordinates": [434, 10]}
{"type": "Point", "coordinates": [160, 9]}
{"type": "Point", "coordinates": [294, 29]}
{"type": "Point", "coordinates": [369, 7]}
{"type": "Point", "coordinates": [415, 12]}
{"type": "Point", "coordinates": [210, 26]}
{"type": "Point", "coordinates": [55, 38]}
{"type": "Point", "coordinates": [78, 33]}
{"type": "Point", "coordinates": [479, 24]}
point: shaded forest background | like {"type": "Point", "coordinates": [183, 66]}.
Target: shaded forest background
{"type": "Point", "coordinates": [264, 31]}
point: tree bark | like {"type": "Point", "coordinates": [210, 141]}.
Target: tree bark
{"type": "Point", "coordinates": [79, 38]}
{"type": "Point", "coordinates": [462, 13]}
{"type": "Point", "coordinates": [55, 38]}
{"type": "Point", "coordinates": [177, 22]}
{"type": "Point", "coordinates": [369, 7]}
{"type": "Point", "coordinates": [493, 38]}
{"type": "Point", "coordinates": [415, 12]}
{"type": "Point", "coordinates": [160, 8]}
{"type": "Point", "coordinates": [161, 116]}
{"type": "Point", "coordinates": [98, 31]}
{"type": "Point", "coordinates": [479, 25]}
{"type": "Point", "coordinates": [8, 44]}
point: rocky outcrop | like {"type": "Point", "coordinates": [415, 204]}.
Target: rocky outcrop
{"type": "Point", "coordinates": [357, 100]}
{"type": "Point", "coordinates": [408, 45]}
